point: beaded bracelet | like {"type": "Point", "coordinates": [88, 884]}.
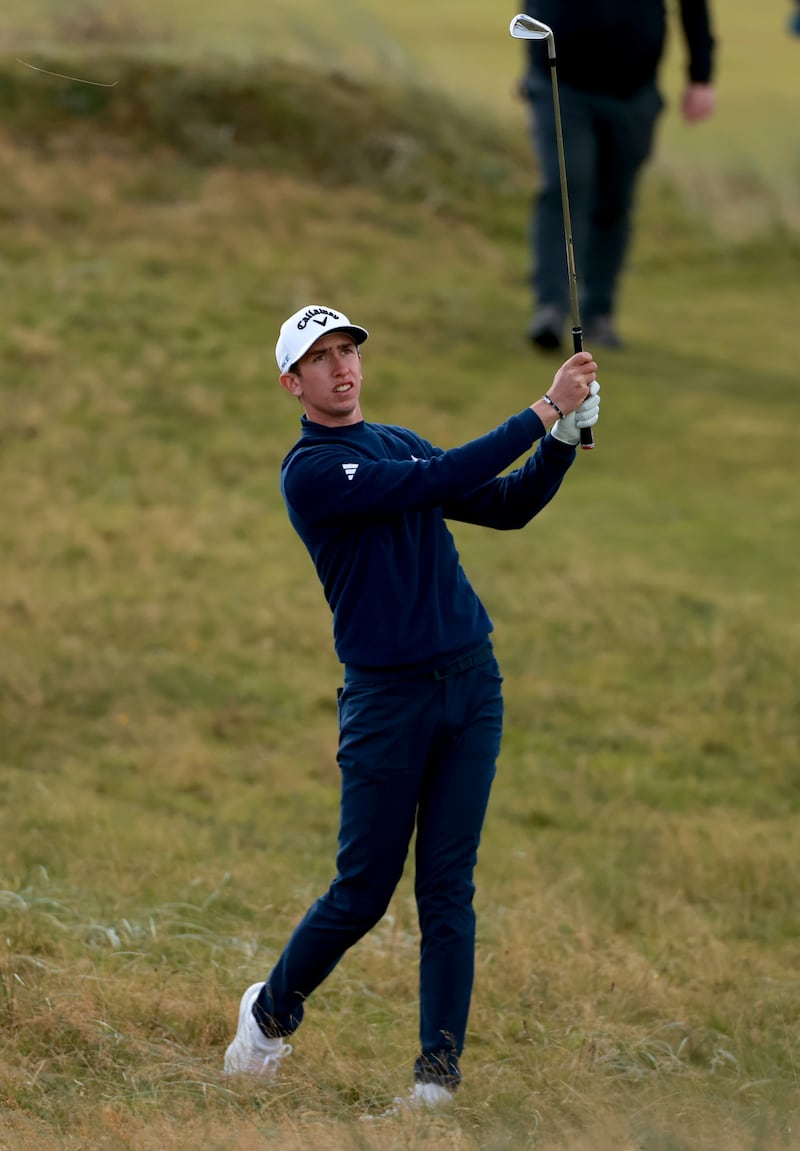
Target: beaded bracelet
{"type": "Point", "coordinates": [553, 404]}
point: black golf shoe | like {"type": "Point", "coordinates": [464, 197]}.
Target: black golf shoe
{"type": "Point", "coordinates": [600, 332]}
{"type": "Point", "coordinates": [546, 328]}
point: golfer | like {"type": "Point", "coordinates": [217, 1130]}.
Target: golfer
{"type": "Point", "coordinates": [420, 712]}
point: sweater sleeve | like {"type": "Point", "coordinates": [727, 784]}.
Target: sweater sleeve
{"type": "Point", "coordinates": [338, 482]}
{"type": "Point", "coordinates": [699, 40]}
{"type": "Point", "coordinates": [511, 501]}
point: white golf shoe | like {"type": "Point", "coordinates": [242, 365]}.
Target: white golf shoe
{"type": "Point", "coordinates": [426, 1095]}
{"type": "Point", "coordinates": [421, 1097]}
{"type": "Point", "coordinates": [251, 1052]}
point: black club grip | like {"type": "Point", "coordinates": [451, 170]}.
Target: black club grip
{"type": "Point", "coordinates": [587, 436]}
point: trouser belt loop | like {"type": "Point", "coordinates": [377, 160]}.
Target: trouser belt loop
{"type": "Point", "coordinates": [465, 663]}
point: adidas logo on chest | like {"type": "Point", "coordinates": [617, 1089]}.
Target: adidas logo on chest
{"type": "Point", "coordinates": [350, 470]}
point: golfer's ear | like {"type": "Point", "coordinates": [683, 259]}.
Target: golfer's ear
{"type": "Point", "coordinates": [290, 382]}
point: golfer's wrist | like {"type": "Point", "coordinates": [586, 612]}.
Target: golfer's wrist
{"type": "Point", "coordinates": [546, 411]}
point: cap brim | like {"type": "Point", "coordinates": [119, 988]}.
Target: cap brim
{"type": "Point", "coordinates": [358, 334]}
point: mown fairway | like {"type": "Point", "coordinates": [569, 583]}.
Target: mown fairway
{"type": "Point", "coordinates": [167, 687]}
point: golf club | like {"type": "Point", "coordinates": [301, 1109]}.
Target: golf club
{"type": "Point", "coordinates": [524, 27]}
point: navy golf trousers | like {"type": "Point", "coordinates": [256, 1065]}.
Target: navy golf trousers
{"type": "Point", "coordinates": [413, 750]}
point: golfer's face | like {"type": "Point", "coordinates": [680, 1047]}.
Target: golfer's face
{"type": "Point", "coordinates": [329, 380]}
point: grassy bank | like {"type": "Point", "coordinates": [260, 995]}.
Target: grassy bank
{"type": "Point", "coordinates": [167, 688]}
{"type": "Point", "coordinates": [741, 166]}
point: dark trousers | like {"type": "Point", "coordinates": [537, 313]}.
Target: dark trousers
{"type": "Point", "coordinates": [606, 141]}
{"type": "Point", "coordinates": [419, 750]}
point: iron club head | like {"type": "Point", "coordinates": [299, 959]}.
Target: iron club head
{"type": "Point", "coordinates": [524, 27]}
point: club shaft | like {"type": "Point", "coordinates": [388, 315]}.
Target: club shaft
{"type": "Point", "coordinates": [587, 436]}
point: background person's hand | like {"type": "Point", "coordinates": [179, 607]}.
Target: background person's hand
{"type": "Point", "coordinates": [699, 101]}
{"type": "Point", "coordinates": [568, 429]}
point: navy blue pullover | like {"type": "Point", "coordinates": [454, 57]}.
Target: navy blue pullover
{"type": "Point", "coordinates": [369, 501]}
{"type": "Point", "coordinates": [615, 47]}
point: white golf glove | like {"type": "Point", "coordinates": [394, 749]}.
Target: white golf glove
{"type": "Point", "coordinates": [568, 429]}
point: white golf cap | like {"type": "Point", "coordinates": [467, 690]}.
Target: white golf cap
{"type": "Point", "coordinates": [305, 327]}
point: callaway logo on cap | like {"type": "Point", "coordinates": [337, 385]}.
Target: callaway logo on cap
{"type": "Point", "coordinates": [302, 329]}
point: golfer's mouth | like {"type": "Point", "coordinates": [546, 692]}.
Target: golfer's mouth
{"type": "Point", "coordinates": [343, 388]}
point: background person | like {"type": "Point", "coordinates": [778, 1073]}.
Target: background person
{"type": "Point", "coordinates": [420, 713]}
{"type": "Point", "coordinates": [607, 56]}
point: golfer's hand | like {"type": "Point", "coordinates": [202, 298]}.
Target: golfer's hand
{"type": "Point", "coordinates": [586, 415]}
{"type": "Point", "coordinates": [569, 389]}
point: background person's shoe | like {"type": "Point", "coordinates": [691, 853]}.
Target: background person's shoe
{"type": "Point", "coordinates": [546, 328]}
{"type": "Point", "coordinates": [251, 1052]}
{"type": "Point", "coordinates": [600, 332]}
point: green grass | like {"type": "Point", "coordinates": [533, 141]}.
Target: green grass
{"type": "Point", "coordinates": [168, 786]}
{"type": "Point", "coordinates": [740, 168]}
